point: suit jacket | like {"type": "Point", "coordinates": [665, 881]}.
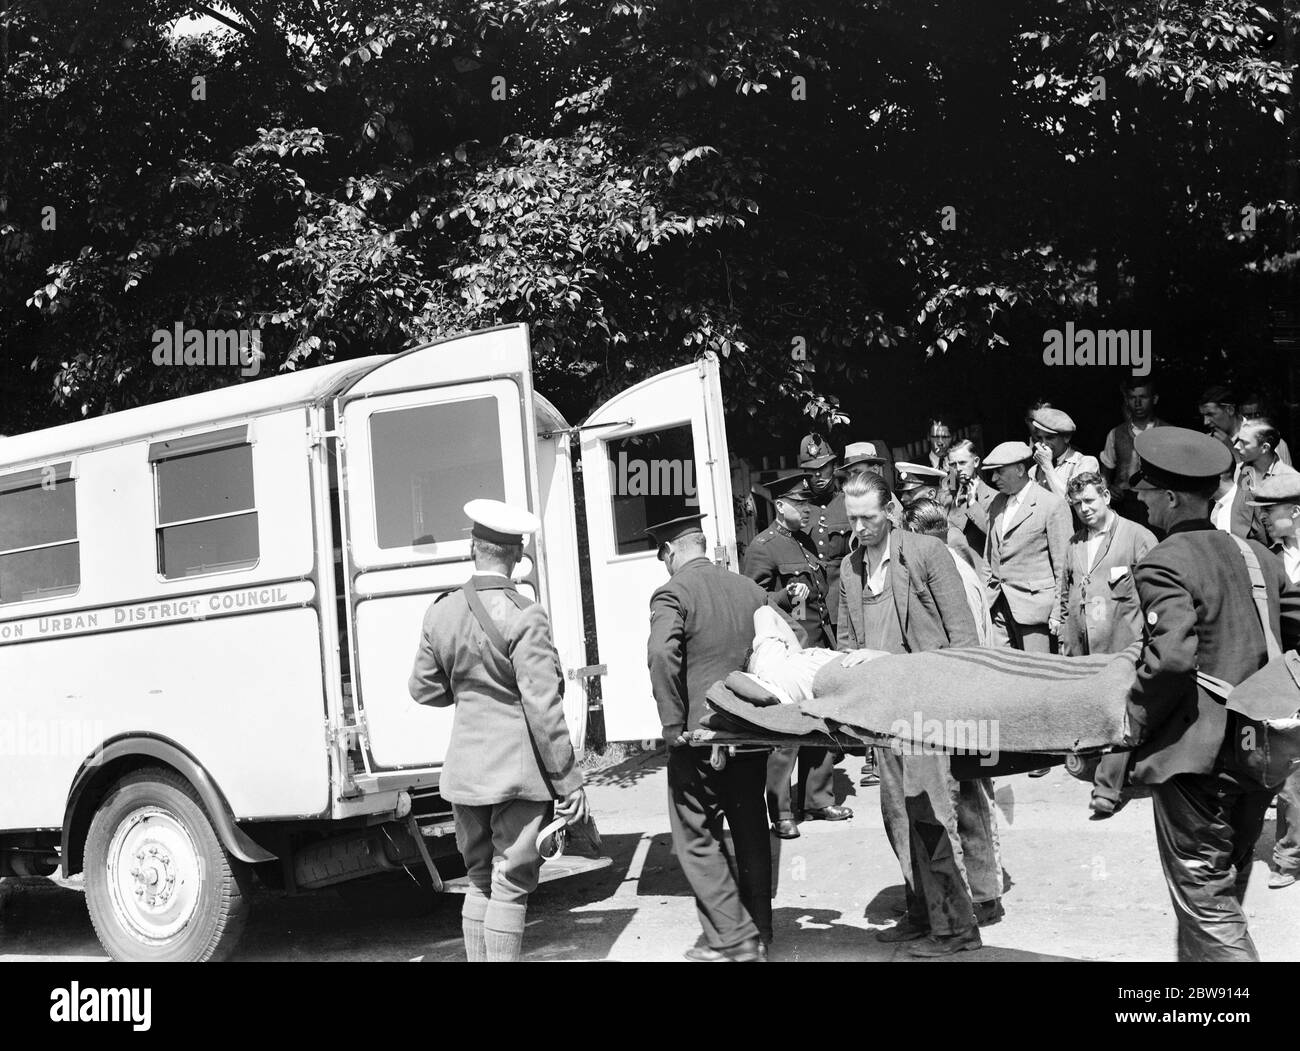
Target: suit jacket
{"type": "Point", "coordinates": [701, 630]}
{"type": "Point", "coordinates": [1198, 614]}
{"type": "Point", "coordinates": [972, 518]}
{"type": "Point", "coordinates": [1027, 567]}
{"type": "Point", "coordinates": [1101, 589]}
{"type": "Point", "coordinates": [927, 592]}
{"type": "Point", "coordinates": [490, 757]}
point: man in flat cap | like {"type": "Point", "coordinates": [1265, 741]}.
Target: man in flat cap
{"type": "Point", "coordinates": [1200, 616]}
{"type": "Point", "coordinates": [487, 650]}
{"type": "Point", "coordinates": [783, 561]}
{"type": "Point", "coordinates": [1278, 498]}
{"type": "Point", "coordinates": [1029, 530]}
{"type": "Point", "coordinates": [701, 629]}
{"type": "Point", "coordinates": [1056, 460]}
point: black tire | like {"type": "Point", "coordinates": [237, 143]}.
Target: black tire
{"type": "Point", "coordinates": [1082, 767]}
{"type": "Point", "coordinates": [184, 899]}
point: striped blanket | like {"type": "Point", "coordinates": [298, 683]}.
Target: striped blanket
{"type": "Point", "coordinates": [981, 699]}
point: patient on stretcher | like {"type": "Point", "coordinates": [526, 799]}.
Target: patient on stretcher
{"type": "Point", "coordinates": [783, 667]}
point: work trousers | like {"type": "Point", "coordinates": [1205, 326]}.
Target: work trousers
{"type": "Point", "coordinates": [1007, 631]}
{"type": "Point", "coordinates": [816, 787]}
{"type": "Point", "coordinates": [977, 827]}
{"type": "Point", "coordinates": [1108, 780]}
{"type": "Point", "coordinates": [919, 801]}
{"type": "Point", "coordinates": [1286, 848]}
{"type": "Point", "coordinates": [1206, 829]}
{"type": "Point", "coordinates": [499, 845]}
{"type": "Point", "coordinates": [733, 891]}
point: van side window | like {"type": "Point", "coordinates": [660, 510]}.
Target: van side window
{"type": "Point", "coordinates": [39, 552]}
{"type": "Point", "coordinates": [206, 517]}
{"type": "Point", "coordinates": [652, 479]}
{"type": "Point", "coordinates": [428, 461]}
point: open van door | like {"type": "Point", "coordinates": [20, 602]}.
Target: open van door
{"type": "Point", "coordinates": [656, 451]}
{"type": "Point", "coordinates": [422, 434]}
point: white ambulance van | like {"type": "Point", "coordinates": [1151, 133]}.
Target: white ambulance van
{"type": "Point", "coordinates": [209, 609]}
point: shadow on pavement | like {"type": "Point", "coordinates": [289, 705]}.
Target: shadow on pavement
{"type": "Point", "coordinates": [630, 771]}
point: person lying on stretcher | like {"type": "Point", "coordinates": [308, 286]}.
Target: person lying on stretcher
{"type": "Point", "coordinates": [783, 667]}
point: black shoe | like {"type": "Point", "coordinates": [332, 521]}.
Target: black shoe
{"type": "Point", "coordinates": [988, 913]}
{"type": "Point", "coordinates": [828, 813]}
{"type": "Point", "coordinates": [903, 931]}
{"type": "Point", "coordinates": [786, 829]}
{"type": "Point", "coordinates": [1040, 773]}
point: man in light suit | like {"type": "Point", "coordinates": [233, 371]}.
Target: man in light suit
{"type": "Point", "coordinates": [487, 650]}
{"type": "Point", "coordinates": [1099, 605]}
{"type": "Point", "coordinates": [1029, 529]}
{"type": "Point", "coordinates": [901, 593]}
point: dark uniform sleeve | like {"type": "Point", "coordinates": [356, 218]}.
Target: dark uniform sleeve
{"type": "Point", "coordinates": [667, 633]}
{"type": "Point", "coordinates": [761, 568]}
{"type": "Point", "coordinates": [541, 692]}
{"type": "Point", "coordinates": [1167, 669]}
{"type": "Point", "coordinates": [429, 683]}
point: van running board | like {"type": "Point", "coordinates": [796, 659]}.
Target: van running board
{"type": "Point", "coordinates": [556, 868]}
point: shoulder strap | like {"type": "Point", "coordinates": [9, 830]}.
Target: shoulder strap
{"type": "Point", "coordinates": [498, 642]}
{"type": "Point", "coordinates": [1260, 594]}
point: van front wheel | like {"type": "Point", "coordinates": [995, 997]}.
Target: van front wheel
{"type": "Point", "coordinates": [159, 884]}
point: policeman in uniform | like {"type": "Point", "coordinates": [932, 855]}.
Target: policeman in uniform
{"type": "Point", "coordinates": [918, 482]}
{"type": "Point", "coordinates": [701, 628]}
{"type": "Point", "coordinates": [1199, 616]}
{"type": "Point", "coordinates": [829, 530]}
{"type": "Point", "coordinates": [487, 650]}
{"type": "Point", "coordinates": [783, 562]}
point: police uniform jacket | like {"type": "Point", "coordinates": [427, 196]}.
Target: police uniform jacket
{"type": "Point", "coordinates": [701, 630]}
{"type": "Point", "coordinates": [1099, 606]}
{"type": "Point", "coordinates": [490, 757]}
{"type": "Point", "coordinates": [829, 530]}
{"type": "Point", "coordinates": [1027, 566]}
{"type": "Point", "coordinates": [1198, 613]}
{"type": "Point", "coordinates": [778, 557]}
{"type": "Point", "coordinates": [927, 593]}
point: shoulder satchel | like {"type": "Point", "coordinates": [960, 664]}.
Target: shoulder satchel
{"type": "Point", "coordinates": [1266, 704]}
{"type": "Point", "coordinates": [586, 833]}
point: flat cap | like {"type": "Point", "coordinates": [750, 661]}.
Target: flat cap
{"type": "Point", "coordinates": [814, 451]}
{"type": "Point", "coordinates": [1052, 421]}
{"type": "Point", "coordinates": [500, 523]}
{"type": "Point", "coordinates": [1006, 454]}
{"type": "Point", "coordinates": [667, 532]}
{"type": "Point", "coordinates": [1218, 395]}
{"type": "Point", "coordinates": [1281, 488]}
{"type": "Point", "coordinates": [916, 475]}
{"type": "Point", "coordinates": [1179, 459]}
{"type": "Point", "coordinates": [860, 452]}
{"type": "Point", "coordinates": [792, 487]}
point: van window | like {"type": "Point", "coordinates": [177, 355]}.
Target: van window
{"type": "Point", "coordinates": [652, 479]}
{"type": "Point", "coordinates": [206, 517]}
{"type": "Point", "coordinates": [428, 462]}
{"type": "Point", "coordinates": [39, 552]}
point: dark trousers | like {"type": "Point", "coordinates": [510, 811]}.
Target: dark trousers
{"type": "Point", "coordinates": [919, 801]}
{"type": "Point", "coordinates": [1286, 848]}
{"type": "Point", "coordinates": [977, 827]}
{"type": "Point", "coordinates": [816, 781]}
{"type": "Point", "coordinates": [1206, 828]}
{"type": "Point", "coordinates": [733, 892]}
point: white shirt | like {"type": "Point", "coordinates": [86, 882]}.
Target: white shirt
{"type": "Point", "coordinates": [491, 573]}
{"type": "Point", "coordinates": [1072, 463]}
{"type": "Point", "coordinates": [1012, 509]}
{"type": "Point", "coordinates": [1221, 512]}
{"type": "Point", "coordinates": [1093, 544]}
{"type": "Point", "coordinates": [876, 578]}
{"type": "Point", "coordinates": [1291, 562]}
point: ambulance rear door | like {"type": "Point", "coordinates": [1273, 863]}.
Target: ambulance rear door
{"type": "Point", "coordinates": [656, 451]}
{"type": "Point", "coordinates": [420, 435]}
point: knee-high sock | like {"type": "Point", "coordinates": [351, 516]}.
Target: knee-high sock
{"type": "Point", "coordinates": [503, 930]}
{"type": "Point", "coordinates": [473, 911]}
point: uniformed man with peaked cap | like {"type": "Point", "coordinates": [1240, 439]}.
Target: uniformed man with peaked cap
{"type": "Point", "coordinates": [918, 481]}
{"type": "Point", "coordinates": [1200, 616]}
{"type": "Point", "coordinates": [488, 650]}
{"type": "Point", "coordinates": [783, 561]}
{"type": "Point", "coordinates": [701, 629]}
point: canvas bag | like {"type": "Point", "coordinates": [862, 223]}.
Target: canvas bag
{"type": "Point", "coordinates": [1266, 705]}
{"type": "Point", "coordinates": [582, 837]}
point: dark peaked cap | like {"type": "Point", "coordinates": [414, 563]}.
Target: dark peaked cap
{"type": "Point", "coordinates": [793, 487]}
{"type": "Point", "coordinates": [1179, 459]}
{"type": "Point", "coordinates": [667, 532]}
